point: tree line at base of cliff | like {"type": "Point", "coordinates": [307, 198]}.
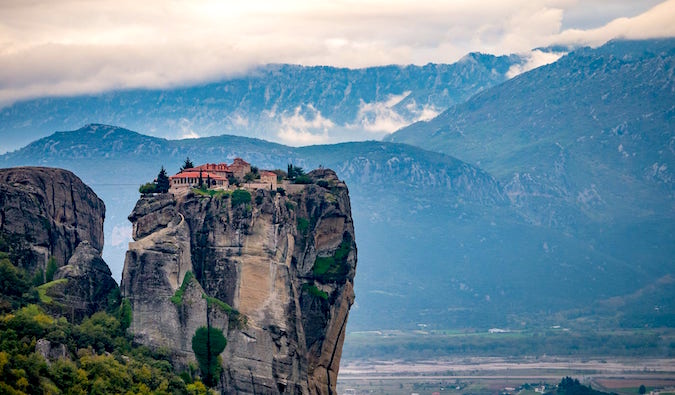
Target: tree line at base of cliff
{"type": "Point", "coordinates": [42, 353]}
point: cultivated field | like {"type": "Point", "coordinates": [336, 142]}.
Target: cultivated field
{"type": "Point", "coordinates": [483, 375]}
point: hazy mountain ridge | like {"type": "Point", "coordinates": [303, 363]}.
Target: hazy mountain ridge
{"type": "Point", "coordinates": [429, 227]}
{"type": "Point", "coordinates": [331, 103]}
{"type": "Point", "coordinates": [588, 138]}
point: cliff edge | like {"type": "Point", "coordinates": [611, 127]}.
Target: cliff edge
{"type": "Point", "coordinates": [272, 270]}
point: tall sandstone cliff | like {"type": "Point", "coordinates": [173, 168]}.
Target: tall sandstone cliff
{"type": "Point", "coordinates": [53, 208]}
{"type": "Point", "coordinates": [49, 214]}
{"type": "Point", "coordinates": [274, 274]}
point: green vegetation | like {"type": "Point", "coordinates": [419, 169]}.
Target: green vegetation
{"type": "Point", "coordinates": [217, 193]}
{"type": "Point", "coordinates": [294, 172]}
{"type": "Point", "coordinates": [314, 291]}
{"type": "Point", "coordinates": [148, 188]}
{"type": "Point", "coordinates": [207, 344]}
{"type": "Point", "coordinates": [15, 286]}
{"type": "Point", "coordinates": [333, 268]}
{"type": "Point", "coordinates": [125, 314]}
{"type": "Point", "coordinates": [438, 344]}
{"type": "Point", "coordinates": [303, 225]}
{"type": "Point", "coordinates": [253, 175]}
{"type": "Point", "coordinates": [51, 269]}
{"type": "Point", "coordinates": [235, 318]}
{"type": "Point", "coordinates": [177, 297]}
{"type": "Point", "coordinates": [240, 196]}
{"type": "Point", "coordinates": [187, 164]}
{"type": "Point", "coordinates": [569, 386]}
{"type": "Point", "coordinates": [163, 182]}
{"type": "Point", "coordinates": [101, 356]}
{"type": "Point", "coordinates": [303, 179]}
{"type": "Point", "coordinates": [297, 175]}
{"type": "Point", "coordinates": [42, 290]}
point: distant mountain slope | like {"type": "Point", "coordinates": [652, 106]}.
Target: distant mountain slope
{"type": "Point", "coordinates": [588, 139]}
{"type": "Point", "coordinates": [439, 241]}
{"type": "Point", "coordinates": [276, 102]}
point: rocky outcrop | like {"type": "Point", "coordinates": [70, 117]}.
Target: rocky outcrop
{"type": "Point", "coordinates": [88, 284]}
{"type": "Point", "coordinates": [51, 351]}
{"type": "Point", "coordinates": [275, 274]}
{"type": "Point", "coordinates": [52, 210]}
{"type": "Point", "coordinates": [49, 217]}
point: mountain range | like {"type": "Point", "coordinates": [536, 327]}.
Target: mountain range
{"type": "Point", "coordinates": [284, 103]}
{"type": "Point", "coordinates": [546, 199]}
{"type": "Point", "coordinates": [587, 139]}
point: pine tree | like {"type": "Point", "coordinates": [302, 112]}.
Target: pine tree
{"type": "Point", "coordinates": [162, 181]}
{"type": "Point", "coordinates": [187, 164]}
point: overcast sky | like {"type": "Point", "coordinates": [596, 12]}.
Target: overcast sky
{"type": "Point", "coordinates": [57, 47]}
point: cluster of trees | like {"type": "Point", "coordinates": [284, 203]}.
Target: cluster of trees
{"type": "Point", "coordinates": [160, 185]}
{"type": "Point", "coordinates": [590, 343]}
{"type": "Point", "coordinates": [297, 175]}
{"type": "Point", "coordinates": [570, 386]}
{"type": "Point", "coordinates": [100, 356]}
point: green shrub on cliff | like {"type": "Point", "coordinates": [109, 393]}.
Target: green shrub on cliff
{"type": "Point", "coordinates": [148, 188]}
{"type": "Point", "coordinates": [314, 291]}
{"type": "Point", "coordinates": [235, 318]}
{"type": "Point", "coordinates": [334, 267]}
{"type": "Point", "coordinates": [207, 344]}
{"type": "Point", "coordinates": [240, 196]}
{"type": "Point", "coordinates": [303, 225]}
{"type": "Point", "coordinates": [177, 297]}
{"type": "Point", "coordinates": [51, 269]}
{"type": "Point", "coordinates": [125, 314]}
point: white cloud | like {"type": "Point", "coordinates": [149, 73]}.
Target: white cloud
{"type": "Point", "coordinates": [380, 116]}
{"type": "Point", "coordinates": [654, 23]}
{"type": "Point", "coordinates": [306, 126]}
{"type": "Point", "coordinates": [72, 46]}
{"type": "Point", "coordinates": [240, 120]}
{"type": "Point", "coordinates": [299, 138]}
{"type": "Point", "coordinates": [383, 117]}
{"type": "Point", "coordinates": [535, 58]}
{"type": "Point", "coordinates": [186, 129]}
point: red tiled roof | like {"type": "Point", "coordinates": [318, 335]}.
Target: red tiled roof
{"type": "Point", "coordinates": [268, 173]}
{"type": "Point", "coordinates": [212, 166]}
{"type": "Point", "coordinates": [195, 174]}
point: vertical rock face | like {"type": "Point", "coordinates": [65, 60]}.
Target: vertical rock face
{"type": "Point", "coordinates": [274, 273]}
{"type": "Point", "coordinates": [52, 209]}
{"type": "Point", "coordinates": [50, 214]}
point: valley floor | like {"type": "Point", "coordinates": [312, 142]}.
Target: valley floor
{"type": "Point", "coordinates": [487, 375]}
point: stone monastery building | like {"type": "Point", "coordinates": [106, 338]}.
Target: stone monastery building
{"type": "Point", "coordinates": [216, 175]}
